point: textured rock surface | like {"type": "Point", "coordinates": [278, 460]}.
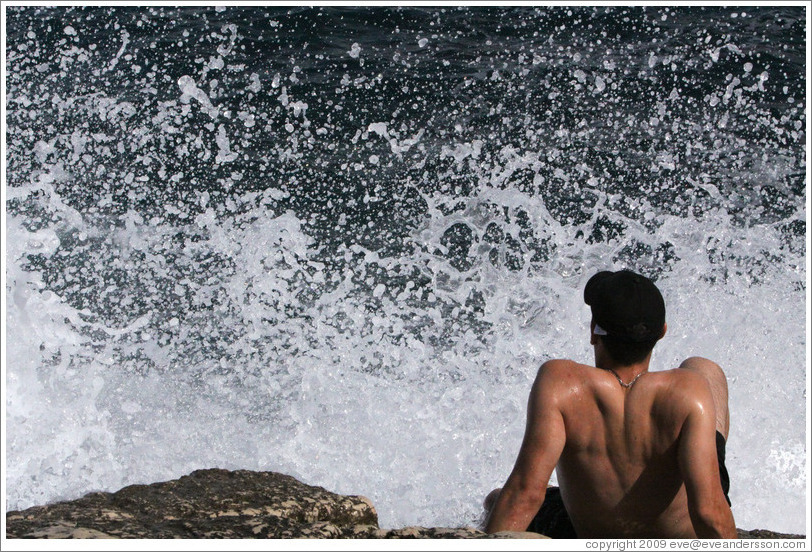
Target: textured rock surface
{"type": "Point", "coordinates": [217, 504]}
{"type": "Point", "coordinates": [230, 504]}
{"type": "Point", "coordinates": [764, 534]}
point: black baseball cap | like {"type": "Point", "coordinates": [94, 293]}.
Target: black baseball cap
{"type": "Point", "coordinates": [625, 305]}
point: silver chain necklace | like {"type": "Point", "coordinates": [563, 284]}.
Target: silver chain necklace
{"type": "Point", "coordinates": [626, 385]}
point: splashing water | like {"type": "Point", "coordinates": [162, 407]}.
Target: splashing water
{"type": "Point", "coordinates": [338, 242]}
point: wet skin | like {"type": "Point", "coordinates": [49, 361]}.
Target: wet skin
{"type": "Point", "coordinates": [630, 462]}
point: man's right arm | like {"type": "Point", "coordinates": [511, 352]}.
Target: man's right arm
{"type": "Point", "coordinates": [544, 439]}
{"type": "Point", "coordinates": [709, 511]}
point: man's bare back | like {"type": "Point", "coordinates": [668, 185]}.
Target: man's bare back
{"type": "Point", "coordinates": [623, 453]}
{"type": "Point", "coordinates": [619, 471]}
{"type": "Point", "coordinates": [634, 451]}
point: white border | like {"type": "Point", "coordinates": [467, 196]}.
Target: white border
{"type": "Point", "coordinates": [328, 544]}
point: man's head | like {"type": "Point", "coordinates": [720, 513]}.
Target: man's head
{"type": "Point", "coordinates": [628, 312]}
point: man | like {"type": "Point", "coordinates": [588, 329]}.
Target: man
{"type": "Point", "coordinates": [637, 453]}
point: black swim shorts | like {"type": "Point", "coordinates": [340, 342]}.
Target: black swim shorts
{"type": "Point", "coordinates": [553, 520]}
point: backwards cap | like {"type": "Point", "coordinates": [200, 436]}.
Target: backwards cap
{"type": "Point", "coordinates": [626, 305]}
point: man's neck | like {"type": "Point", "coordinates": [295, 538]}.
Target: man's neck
{"type": "Point", "coordinates": [625, 372]}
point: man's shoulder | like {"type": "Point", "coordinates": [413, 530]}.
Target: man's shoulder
{"type": "Point", "coordinates": [683, 381]}
{"type": "Point", "coordinates": [686, 390]}
{"type": "Point", "coordinates": [557, 374]}
{"type": "Point", "coordinates": [556, 382]}
{"type": "Point", "coordinates": [558, 364]}
{"type": "Point", "coordinates": [560, 367]}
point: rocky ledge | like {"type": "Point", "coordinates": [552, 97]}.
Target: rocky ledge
{"type": "Point", "coordinates": [230, 504]}
{"type": "Point", "coordinates": [219, 504]}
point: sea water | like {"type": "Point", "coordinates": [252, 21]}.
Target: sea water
{"type": "Point", "coordinates": [338, 242]}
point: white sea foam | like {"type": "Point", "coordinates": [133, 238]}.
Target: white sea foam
{"type": "Point", "coordinates": [363, 401]}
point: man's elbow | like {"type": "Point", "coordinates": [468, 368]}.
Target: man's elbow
{"type": "Point", "coordinates": [531, 494]}
{"type": "Point", "coordinates": [515, 508]}
{"type": "Point", "coordinates": [714, 521]}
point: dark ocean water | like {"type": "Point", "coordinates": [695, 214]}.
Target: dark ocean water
{"type": "Point", "coordinates": [337, 241]}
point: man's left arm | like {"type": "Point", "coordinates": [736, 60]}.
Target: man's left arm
{"type": "Point", "coordinates": [541, 448]}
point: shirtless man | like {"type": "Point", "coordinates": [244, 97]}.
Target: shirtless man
{"type": "Point", "coordinates": [637, 453]}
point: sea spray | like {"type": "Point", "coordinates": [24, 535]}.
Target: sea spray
{"type": "Point", "coordinates": [232, 244]}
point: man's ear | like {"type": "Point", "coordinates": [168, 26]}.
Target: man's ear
{"type": "Point", "coordinates": [665, 329]}
{"type": "Point", "coordinates": [593, 339]}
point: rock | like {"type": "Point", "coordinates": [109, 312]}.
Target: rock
{"type": "Point", "coordinates": [764, 534]}
{"type": "Point", "coordinates": [240, 504]}
{"type": "Point", "coordinates": [205, 504]}
{"type": "Point", "coordinates": [217, 504]}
